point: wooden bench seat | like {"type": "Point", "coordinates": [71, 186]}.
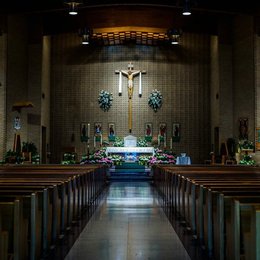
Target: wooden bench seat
{"type": "Point", "coordinates": [62, 194]}
{"type": "Point", "coordinates": [21, 218]}
{"type": "Point", "coordinates": [204, 196]}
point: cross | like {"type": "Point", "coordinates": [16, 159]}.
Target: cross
{"type": "Point", "coordinates": [130, 74]}
{"type": "Point", "coordinates": [130, 66]}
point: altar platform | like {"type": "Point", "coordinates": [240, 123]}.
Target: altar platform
{"type": "Point", "coordinates": [129, 171]}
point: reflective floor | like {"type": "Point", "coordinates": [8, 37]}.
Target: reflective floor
{"type": "Point", "coordinates": [128, 225]}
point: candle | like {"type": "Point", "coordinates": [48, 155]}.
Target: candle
{"type": "Point", "coordinates": [158, 139]}
{"type": "Point", "coordinates": [94, 141]}
{"type": "Point", "coordinates": [100, 139]}
{"type": "Point", "coordinates": [120, 82]}
{"type": "Point", "coordinates": [88, 132]}
{"type": "Point", "coordinates": [171, 143]}
{"type": "Point", "coordinates": [164, 140]}
{"type": "Point", "coordinates": [140, 83]}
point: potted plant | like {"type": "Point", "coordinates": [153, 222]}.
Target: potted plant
{"type": "Point", "coordinates": [29, 152]}
{"type": "Point", "coordinates": [11, 157]}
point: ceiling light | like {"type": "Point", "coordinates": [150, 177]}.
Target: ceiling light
{"type": "Point", "coordinates": [186, 8]}
{"type": "Point", "coordinates": [73, 6]}
{"type": "Point", "coordinates": [85, 34]}
{"type": "Point", "coordinates": [174, 35]}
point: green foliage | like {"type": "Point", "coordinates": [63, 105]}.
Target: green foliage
{"type": "Point", "coordinates": [155, 100]}
{"type": "Point", "coordinates": [116, 159]}
{"type": "Point", "coordinates": [141, 142]}
{"type": "Point", "coordinates": [246, 144]}
{"type": "Point", "coordinates": [29, 147]}
{"type": "Point", "coordinates": [159, 157]}
{"type": "Point", "coordinates": [69, 158]}
{"type": "Point", "coordinates": [144, 159]}
{"type": "Point", "coordinates": [100, 157]}
{"type": "Point", "coordinates": [11, 157]}
{"type": "Point", "coordinates": [247, 160]}
{"type": "Point", "coordinates": [119, 142]}
{"type": "Point", "coordinates": [105, 100]}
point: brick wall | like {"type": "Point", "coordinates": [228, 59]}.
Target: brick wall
{"type": "Point", "coordinates": [17, 76]}
{"type": "Point", "coordinates": [181, 74]}
{"type": "Point", "coordinates": [2, 95]}
{"type": "Point", "coordinates": [244, 74]}
{"type": "Point", "coordinates": [257, 79]}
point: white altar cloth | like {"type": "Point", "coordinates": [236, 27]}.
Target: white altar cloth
{"type": "Point", "coordinates": [130, 150]}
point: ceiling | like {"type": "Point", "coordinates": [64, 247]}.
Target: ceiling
{"type": "Point", "coordinates": [100, 14]}
{"type": "Point", "coordinates": [222, 6]}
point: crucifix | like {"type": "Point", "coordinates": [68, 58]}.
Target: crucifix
{"type": "Point", "coordinates": [130, 74]}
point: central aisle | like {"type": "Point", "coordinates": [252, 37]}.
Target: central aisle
{"type": "Point", "coordinates": [129, 225]}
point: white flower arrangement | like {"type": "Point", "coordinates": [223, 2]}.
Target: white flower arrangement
{"type": "Point", "coordinates": [105, 100]}
{"type": "Point", "coordinates": [141, 142]}
{"type": "Point", "coordinates": [155, 100]}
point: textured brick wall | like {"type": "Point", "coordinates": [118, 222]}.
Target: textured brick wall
{"type": "Point", "coordinates": [214, 83]}
{"type": "Point", "coordinates": [257, 96]}
{"type": "Point", "coordinates": [244, 74]}
{"type": "Point", "coordinates": [17, 75]}
{"type": "Point", "coordinates": [25, 81]}
{"type": "Point", "coordinates": [181, 73]}
{"type": "Point", "coordinates": [2, 95]}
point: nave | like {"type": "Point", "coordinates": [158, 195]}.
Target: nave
{"type": "Point", "coordinates": [128, 224]}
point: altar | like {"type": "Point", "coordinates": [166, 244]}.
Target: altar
{"type": "Point", "coordinates": [134, 150]}
{"type": "Point", "coordinates": [130, 151]}
{"type": "Point", "coordinates": [130, 154]}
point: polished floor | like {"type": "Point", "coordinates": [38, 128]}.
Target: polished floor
{"type": "Point", "coordinates": [129, 224]}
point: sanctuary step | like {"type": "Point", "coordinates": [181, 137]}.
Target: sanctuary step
{"type": "Point", "coordinates": [129, 171]}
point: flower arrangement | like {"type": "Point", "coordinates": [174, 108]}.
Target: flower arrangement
{"type": "Point", "coordinates": [69, 158]}
{"type": "Point", "coordinates": [98, 156]}
{"type": "Point", "coordinates": [116, 159]}
{"type": "Point", "coordinates": [105, 100]}
{"type": "Point", "coordinates": [247, 160]}
{"type": "Point", "coordinates": [141, 142]}
{"type": "Point", "coordinates": [159, 157]}
{"type": "Point", "coordinates": [119, 142]}
{"type": "Point", "coordinates": [155, 100]}
{"type": "Point", "coordinates": [144, 159]}
{"type": "Point", "coordinates": [246, 144]}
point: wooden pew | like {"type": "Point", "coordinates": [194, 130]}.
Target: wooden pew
{"type": "Point", "coordinates": [87, 184]}
{"type": "Point", "coordinates": [187, 197]}
{"type": "Point", "coordinates": [247, 214]}
{"type": "Point", "coordinates": [21, 219]}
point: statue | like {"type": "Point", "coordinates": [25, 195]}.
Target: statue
{"type": "Point", "coordinates": [130, 74]}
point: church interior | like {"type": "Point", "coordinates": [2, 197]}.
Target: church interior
{"type": "Point", "coordinates": [129, 129]}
